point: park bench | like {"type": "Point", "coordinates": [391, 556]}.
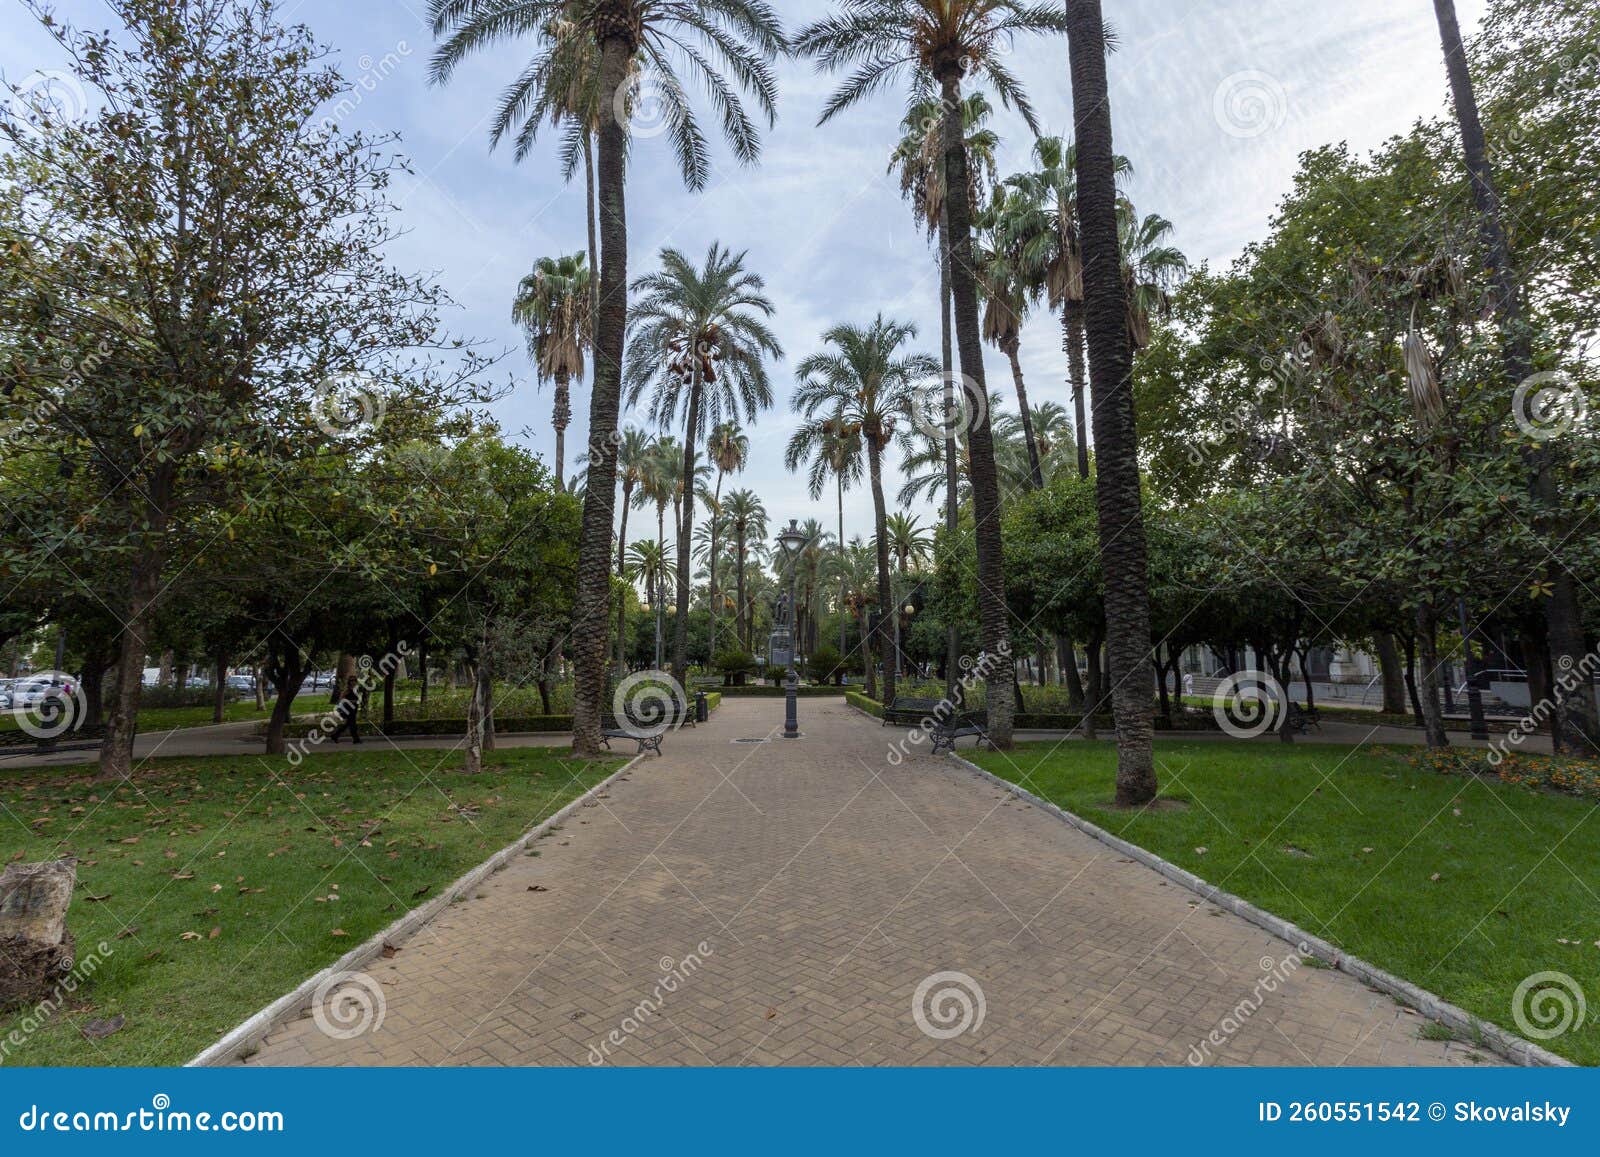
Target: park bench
{"type": "Point", "coordinates": [965, 723]}
{"type": "Point", "coordinates": [1302, 719]}
{"type": "Point", "coordinates": [617, 727]}
{"type": "Point", "coordinates": [908, 711]}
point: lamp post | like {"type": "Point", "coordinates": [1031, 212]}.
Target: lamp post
{"type": "Point", "coordinates": [792, 541]}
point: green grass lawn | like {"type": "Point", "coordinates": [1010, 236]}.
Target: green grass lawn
{"type": "Point", "coordinates": [229, 881]}
{"type": "Point", "coordinates": [1460, 885]}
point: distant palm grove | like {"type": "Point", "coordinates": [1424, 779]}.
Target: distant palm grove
{"type": "Point", "coordinates": [234, 437]}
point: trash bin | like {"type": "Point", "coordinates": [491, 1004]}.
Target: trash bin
{"type": "Point", "coordinates": [702, 709]}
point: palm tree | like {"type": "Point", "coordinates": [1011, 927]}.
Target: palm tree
{"type": "Point", "coordinates": [1042, 223]}
{"type": "Point", "coordinates": [1150, 269]}
{"type": "Point", "coordinates": [919, 157]}
{"type": "Point", "coordinates": [698, 338]}
{"type": "Point", "coordinates": [633, 453]}
{"type": "Point", "coordinates": [944, 40]}
{"type": "Point", "coordinates": [865, 381]}
{"type": "Point", "coordinates": [1006, 293]}
{"type": "Point", "coordinates": [728, 448]}
{"type": "Point", "coordinates": [1576, 724]}
{"type": "Point", "coordinates": [747, 522]}
{"type": "Point", "coordinates": [833, 445]}
{"type": "Point", "coordinates": [909, 541]}
{"type": "Point", "coordinates": [1121, 520]}
{"type": "Point", "coordinates": [637, 43]}
{"type": "Point", "coordinates": [554, 308]}
{"type": "Point", "coordinates": [648, 562]}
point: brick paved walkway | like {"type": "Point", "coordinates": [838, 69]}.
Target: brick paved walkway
{"type": "Point", "coordinates": [780, 903]}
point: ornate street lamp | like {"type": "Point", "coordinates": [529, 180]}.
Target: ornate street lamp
{"type": "Point", "coordinates": [792, 540]}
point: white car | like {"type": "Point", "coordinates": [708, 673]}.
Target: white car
{"type": "Point", "coordinates": [32, 692]}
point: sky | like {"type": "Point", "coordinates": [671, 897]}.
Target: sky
{"type": "Point", "coordinates": [1211, 100]}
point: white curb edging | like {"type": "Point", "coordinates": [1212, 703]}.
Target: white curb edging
{"type": "Point", "coordinates": [241, 1039]}
{"type": "Point", "coordinates": [1508, 1045]}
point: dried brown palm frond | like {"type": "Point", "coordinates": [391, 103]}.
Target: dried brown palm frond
{"type": "Point", "coordinates": [1426, 400]}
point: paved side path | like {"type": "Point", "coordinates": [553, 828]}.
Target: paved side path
{"type": "Point", "coordinates": [782, 902]}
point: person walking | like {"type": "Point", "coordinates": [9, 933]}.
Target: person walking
{"type": "Point", "coordinates": [349, 705]}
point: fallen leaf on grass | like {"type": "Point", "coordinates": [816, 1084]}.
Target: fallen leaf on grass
{"type": "Point", "coordinates": [215, 932]}
{"type": "Point", "coordinates": [421, 892]}
{"type": "Point", "coordinates": [190, 936]}
{"type": "Point", "coordinates": [1201, 851]}
{"type": "Point", "coordinates": [93, 899]}
{"type": "Point", "coordinates": [338, 932]}
{"type": "Point", "coordinates": [1434, 877]}
{"type": "Point", "coordinates": [130, 930]}
{"type": "Point", "coordinates": [100, 1029]}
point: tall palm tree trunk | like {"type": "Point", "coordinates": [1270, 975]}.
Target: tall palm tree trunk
{"type": "Point", "coordinates": [1575, 725]}
{"type": "Point", "coordinates": [885, 640]}
{"type": "Point", "coordinates": [680, 626]}
{"type": "Point", "coordinates": [952, 506]}
{"type": "Point", "coordinates": [716, 602]}
{"type": "Point", "coordinates": [992, 613]}
{"type": "Point", "coordinates": [560, 416]}
{"type": "Point", "coordinates": [622, 571]}
{"type": "Point", "coordinates": [1121, 519]}
{"type": "Point", "coordinates": [1012, 346]}
{"type": "Point", "coordinates": [592, 602]}
{"type": "Point", "coordinates": [1072, 340]}
{"type": "Point", "coordinates": [588, 190]}
{"type": "Point", "coordinates": [838, 478]}
{"type": "Point", "coordinates": [741, 624]}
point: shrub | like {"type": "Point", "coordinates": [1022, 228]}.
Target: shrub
{"type": "Point", "coordinates": [824, 665]}
{"type": "Point", "coordinates": [734, 663]}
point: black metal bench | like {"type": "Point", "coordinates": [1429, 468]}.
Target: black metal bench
{"type": "Point", "coordinates": [647, 737]}
{"type": "Point", "coordinates": [958, 726]}
{"type": "Point", "coordinates": [908, 711]}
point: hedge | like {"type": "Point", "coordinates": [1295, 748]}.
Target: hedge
{"type": "Point", "coordinates": [753, 691]}
{"type": "Point", "coordinates": [1030, 721]}
{"type": "Point", "coordinates": [503, 724]}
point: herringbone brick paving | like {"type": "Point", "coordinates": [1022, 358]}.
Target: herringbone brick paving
{"type": "Point", "coordinates": [779, 903]}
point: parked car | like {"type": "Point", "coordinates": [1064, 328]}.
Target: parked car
{"type": "Point", "coordinates": [243, 684]}
{"type": "Point", "coordinates": [31, 692]}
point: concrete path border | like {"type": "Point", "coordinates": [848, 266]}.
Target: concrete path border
{"type": "Point", "coordinates": [1506, 1044]}
{"type": "Point", "coordinates": [243, 1038]}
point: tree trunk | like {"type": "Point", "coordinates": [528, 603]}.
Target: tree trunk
{"type": "Point", "coordinates": [1577, 725]}
{"type": "Point", "coordinates": [1391, 675]}
{"type": "Point", "coordinates": [472, 762]}
{"type": "Point", "coordinates": [680, 626]}
{"type": "Point", "coordinates": [711, 568]}
{"type": "Point", "coordinates": [1035, 472]}
{"type": "Point", "coordinates": [838, 479]}
{"type": "Point", "coordinates": [219, 696]}
{"type": "Point", "coordinates": [1411, 679]}
{"type": "Point", "coordinates": [588, 196]}
{"type": "Point", "coordinates": [1428, 653]}
{"type": "Point", "coordinates": [483, 688]}
{"type": "Point", "coordinates": [1067, 659]}
{"type": "Point", "coordinates": [886, 599]}
{"type": "Point", "coordinates": [560, 415]}
{"type": "Point", "coordinates": [1094, 692]}
{"type": "Point", "coordinates": [592, 602]}
{"type": "Point", "coordinates": [289, 673]}
{"type": "Point", "coordinates": [1121, 520]}
{"type": "Point", "coordinates": [741, 613]}
{"type": "Point", "coordinates": [1072, 338]}
{"type": "Point", "coordinates": [952, 506]}
{"type": "Point", "coordinates": [622, 571]}
{"type": "Point", "coordinates": [116, 749]}
{"type": "Point", "coordinates": [260, 680]}
{"type": "Point", "coordinates": [993, 614]}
